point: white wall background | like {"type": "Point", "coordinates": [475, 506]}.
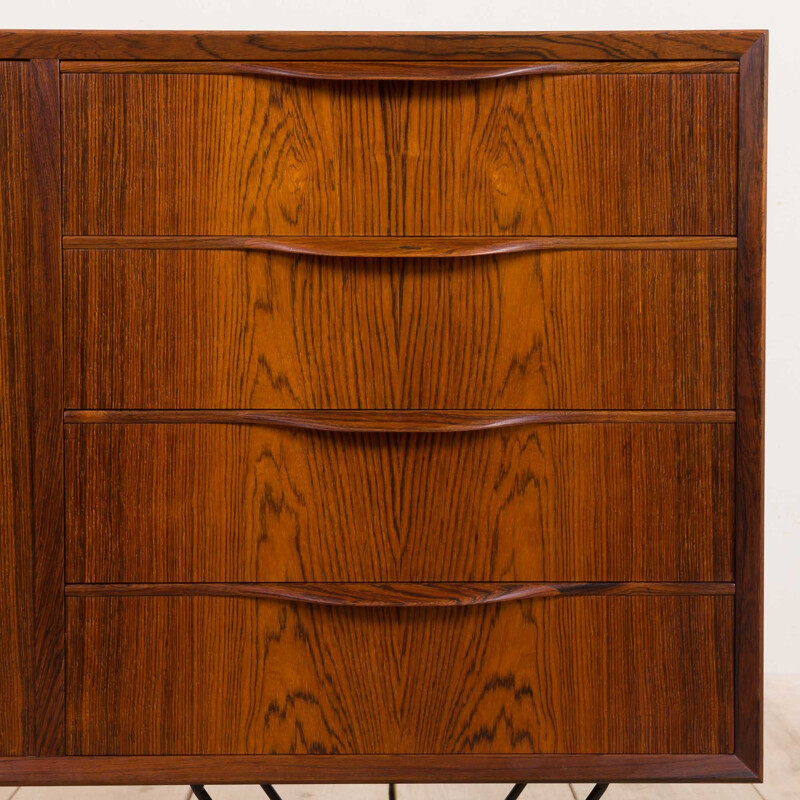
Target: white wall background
{"type": "Point", "coordinates": [781, 17]}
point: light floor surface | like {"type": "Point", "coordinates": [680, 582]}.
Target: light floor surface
{"type": "Point", "coordinates": [781, 780]}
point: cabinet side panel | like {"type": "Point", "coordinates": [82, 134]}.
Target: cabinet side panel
{"type": "Point", "coordinates": [43, 214]}
{"type": "Point", "coordinates": [31, 388]}
{"type": "Point", "coordinates": [750, 313]}
{"type": "Point", "coordinates": [16, 524]}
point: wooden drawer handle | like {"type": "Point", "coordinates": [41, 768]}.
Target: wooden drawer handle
{"type": "Point", "coordinates": [334, 70]}
{"type": "Point", "coordinates": [387, 71]}
{"type": "Point", "coordinates": [399, 246]}
{"type": "Point", "coordinates": [329, 70]}
{"type": "Point", "coordinates": [390, 421]}
{"type": "Point", "coordinates": [398, 70]}
{"type": "Point", "coordinates": [400, 594]}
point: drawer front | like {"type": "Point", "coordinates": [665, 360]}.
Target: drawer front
{"type": "Point", "coordinates": [232, 329]}
{"type": "Point", "coordinates": [216, 502]}
{"type": "Point", "coordinates": [205, 675]}
{"type": "Point", "coordinates": [535, 155]}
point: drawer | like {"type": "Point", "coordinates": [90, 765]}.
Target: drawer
{"type": "Point", "coordinates": [222, 675]}
{"type": "Point", "coordinates": [213, 154]}
{"type": "Point", "coordinates": [236, 329]}
{"type": "Point", "coordinates": [554, 502]}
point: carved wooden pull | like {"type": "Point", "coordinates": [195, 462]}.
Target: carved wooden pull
{"type": "Point", "coordinates": [389, 70]}
{"type": "Point", "coordinates": [399, 70]}
{"type": "Point", "coordinates": [399, 246]}
{"type": "Point", "coordinates": [400, 594]}
{"type": "Point", "coordinates": [369, 421]}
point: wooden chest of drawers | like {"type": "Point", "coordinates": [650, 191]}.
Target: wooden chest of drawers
{"type": "Point", "coordinates": [381, 407]}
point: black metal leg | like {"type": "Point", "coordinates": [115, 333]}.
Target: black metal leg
{"type": "Point", "coordinates": [200, 792]}
{"type": "Point", "coordinates": [516, 791]}
{"type": "Point", "coordinates": [270, 791]}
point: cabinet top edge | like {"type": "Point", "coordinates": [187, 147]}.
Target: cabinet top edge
{"type": "Point", "coordinates": [376, 46]}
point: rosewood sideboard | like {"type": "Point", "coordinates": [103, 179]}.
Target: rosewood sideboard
{"type": "Point", "coordinates": [381, 407]}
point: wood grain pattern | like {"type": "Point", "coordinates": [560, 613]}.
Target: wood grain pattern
{"type": "Point", "coordinates": [569, 330]}
{"type": "Point", "coordinates": [398, 70]}
{"type": "Point", "coordinates": [751, 311]}
{"type": "Point", "coordinates": [199, 675]}
{"type": "Point", "coordinates": [46, 383]}
{"type": "Point", "coordinates": [400, 246]}
{"type": "Point", "coordinates": [16, 482]}
{"type": "Point", "coordinates": [420, 421]}
{"type": "Point", "coordinates": [115, 770]}
{"type": "Point", "coordinates": [649, 155]}
{"type": "Point", "coordinates": [396, 594]}
{"type": "Point", "coordinates": [614, 142]}
{"type": "Point", "coordinates": [236, 503]}
{"type": "Point", "coordinates": [284, 45]}
{"type": "Point", "coordinates": [31, 436]}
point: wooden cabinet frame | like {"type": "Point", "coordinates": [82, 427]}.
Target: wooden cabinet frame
{"type": "Point", "coordinates": [34, 392]}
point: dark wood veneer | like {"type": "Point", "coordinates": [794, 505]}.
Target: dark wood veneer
{"type": "Point", "coordinates": [396, 594]}
{"type": "Point", "coordinates": [399, 70]}
{"type": "Point", "coordinates": [31, 438]}
{"type": "Point", "coordinates": [525, 676]}
{"type": "Point", "coordinates": [43, 213]}
{"type": "Point", "coordinates": [751, 312]}
{"type": "Point", "coordinates": [231, 45]}
{"type": "Point", "coordinates": [17, 607]}
{"type": "Point", "coordinates": [650, 155]}
{"type": "Point", "coordinates": [420, 421]}
{"type": "Point", "coordinates": [697, 571]}
{"type": "Point", "coordinates": [400, 246]}
{"type": "Point", "coordinates": [81, 770]}
{"type": "Point", "coordinates": [239, 330]}
{"type": "Point", "coordinates": [195, 502]}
